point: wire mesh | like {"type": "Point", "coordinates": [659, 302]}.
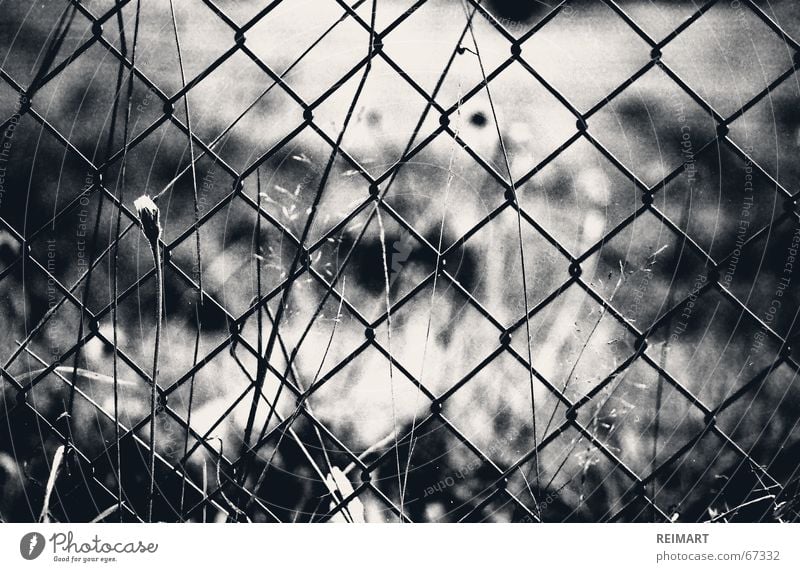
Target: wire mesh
{"type": "Point", "coordinates": [287, 447]}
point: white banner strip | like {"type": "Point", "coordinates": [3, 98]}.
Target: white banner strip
{"type": "Point", "coordinates": [399, 547]}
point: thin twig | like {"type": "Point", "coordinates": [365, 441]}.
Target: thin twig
{"type": "Point", "coordinates": [512, 187]}
{"type": "Point", "coordinates": [58, 459]}
{"type": "Point", "coordinates": [737, 508]}
{"type": "Point", "coordinates": [106, 513]}
{"type": "Point", "coordinates": [154, 391]}
{"type": "Point", "coordinates": [196, 206]}
{"type": "Point", "coordinates": [115, 254]}
{"type": "Point", "coordinates": [382, 234]}
{"type": "Point", "coordinates": [225, 498]}
{"type": "Point", "coordinates": [151, 228]}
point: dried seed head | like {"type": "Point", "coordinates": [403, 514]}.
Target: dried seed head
{"type": "Point", "coordinates": [148, 216]}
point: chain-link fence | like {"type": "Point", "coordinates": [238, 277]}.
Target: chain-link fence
{"type": "Point", "coordinates": [420, 261]}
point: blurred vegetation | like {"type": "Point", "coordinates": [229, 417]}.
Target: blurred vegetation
{"type": "Point", "coordinates": [712, 345]}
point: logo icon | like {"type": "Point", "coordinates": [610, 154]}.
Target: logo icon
{"type": "Point", "coordinates": [31, 546]}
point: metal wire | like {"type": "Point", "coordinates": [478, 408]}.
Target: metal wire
{"type": "Point", "coordinates": [234, 472]}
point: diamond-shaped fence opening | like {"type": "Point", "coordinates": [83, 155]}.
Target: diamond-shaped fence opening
{"type": "Point", "coordinates": [418, 261]}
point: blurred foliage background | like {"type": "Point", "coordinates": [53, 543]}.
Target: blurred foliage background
{"type": "Point", "coordinates": [651, 144]}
